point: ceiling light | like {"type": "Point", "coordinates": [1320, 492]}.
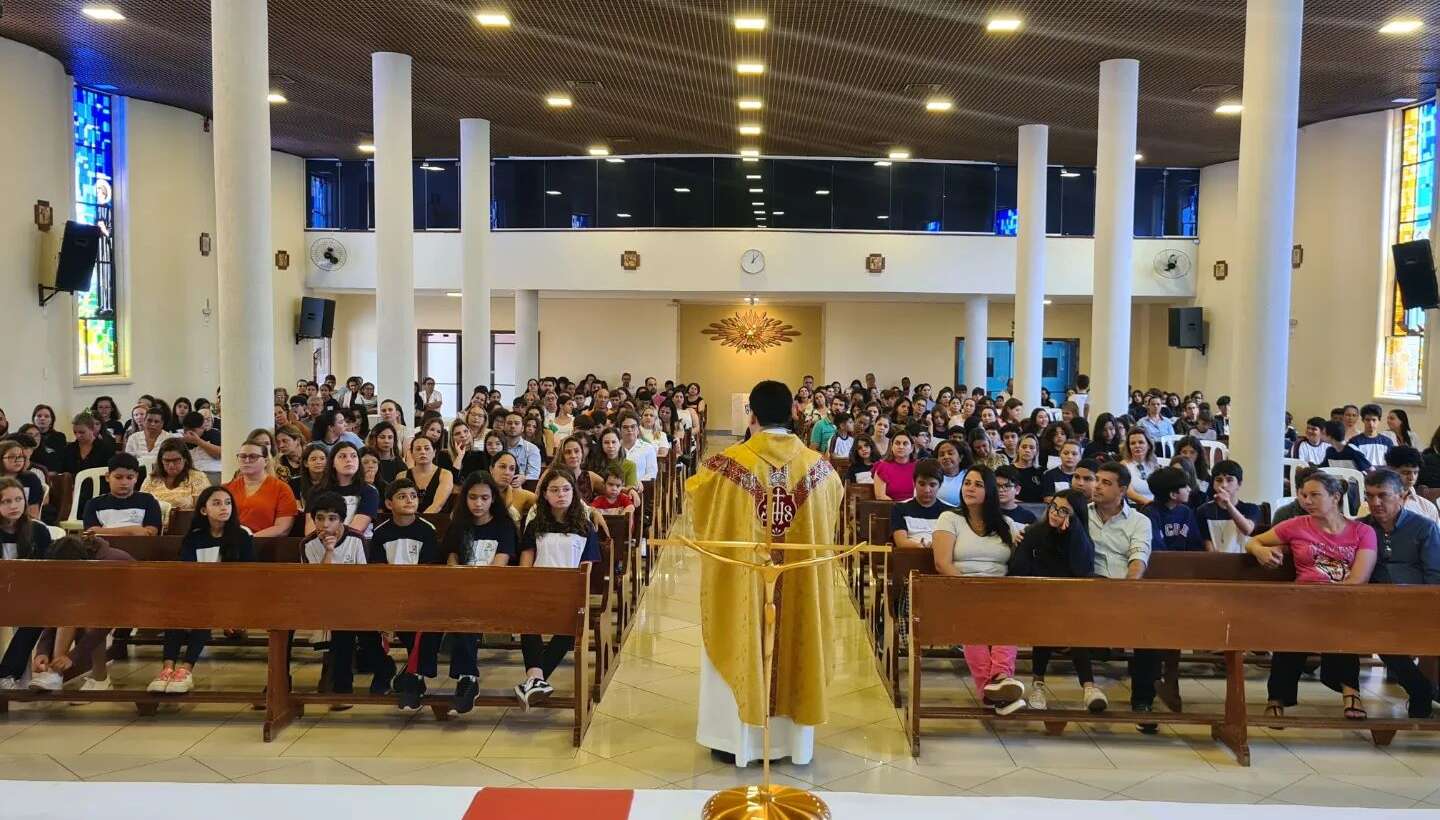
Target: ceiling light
{"type": "Point", "coordinates": [758, 212]}
{"type": "Point", "coordinates": [750, 159]}
{"type": "Point", "coordinates": [778, 213]}
{"type": "Point", "coordinates": [105, 13]}
{"type": "Point", "coordinates": [1229, 108]}
{"type": "Point", "coordinates": [623, 215]}
{"type": "Point", "coordinates": [750, 104]}
{"type": "Point", "coordinates": [938, 104]}
{"type": "Point", "coordinates": [749, 68]}
{"type": "Point", "coordinates": [899, 153]}
{"type": "Point", "coordinates": [750, 130]}
{"type": "Point", "coordinates": [757, 204]}
{"type": "Point", "coordinates": [1002, 25]}
{"type": "Point", "coordinates": [454, 294]}
{"type": "Point", "coordinates": [750, 152]}
{"type": "Point", "coordinates": [614, 160]}
{"type": "Point", "coordinates": [752, 176]}
{"type": "Point", "coordinates": [682, 190]}
{"type": "Point", "coordinates": [883, 216]}
{"type": "Point", "coordinates": [750, 23]}
{"type": "Point", "coordinates": [757, 190]}
{"type": "Point", "coordinates": [1069, 174]}
{"type": "Point", "coordinates": [884, 163]}
{"type": "Point", "coordinates": [366, 147]}
{"type": "Point", "coordinates": [1405, 100]}
{"type": "Point", "coordinates": [559, 101]}
{"type": "Point", "coordinates": [552, 193]}
{"type": "Point", "coordinates": [493, 19]}
{"type": "Point", "coordinates": [599, 151]}
{"type": "Point", "coordinates": [276, 98]}
{"type": "Point", "coordinates": [1048, 301]}
{"type": "Point", "coordinates": [822, 192]}
{"type": "Point", "coordinates": [428, 167]}
{"type": "Point", "coordinates": [1401, 27]}
{"type": "Point", "coordinates": [1139, 156]}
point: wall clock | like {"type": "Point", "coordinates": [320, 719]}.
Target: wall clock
{"type": "Point", "coordinates": [752, 261]}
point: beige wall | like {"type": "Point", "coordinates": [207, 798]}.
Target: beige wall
{"type": "Point", "coordinates": [724, 370]}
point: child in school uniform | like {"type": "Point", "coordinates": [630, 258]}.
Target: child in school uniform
{"type": "Point", "coordinates": [1175, 527]}
{"type": "Point", "coordinates": [560, 535]}
{"type": "Point", "coordinates": [21, 537]}
{"type": "Point", "coordinates": [215, 536]}
{"type": "Point", "coordinates": [408, 540]}
{"type": "Point", "coordinates": [1226, 521]}
{"type": "Point", "coordinates": [123, 510]}
{"type": "Point", "coordinates": [333, 543]}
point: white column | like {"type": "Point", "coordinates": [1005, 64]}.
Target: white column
{"type": "Point", "coordinates": [240, 70]}
{"type": "Point", "coordinates": [474, 243]}
{"type": "Point", "coordinates": [396, 353]}
{"type": "Point", "coordinates": [1265, 220]}
{"type": "Point", "coordinates": [527, 337]}
{"type": "Point", "coordinates": [1114, 235]}
{"type": "Point", "coordinates": [977, 338]}
{"type": "Point", "coordinates": [1030, 263]}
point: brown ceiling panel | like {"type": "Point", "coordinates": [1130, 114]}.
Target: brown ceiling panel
{"type": "Point", "coordinates": [844, 77]}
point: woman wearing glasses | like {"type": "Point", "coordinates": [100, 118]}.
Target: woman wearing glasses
{"type": "Point", "coordinates": [264, 504]}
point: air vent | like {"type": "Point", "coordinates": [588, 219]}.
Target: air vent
{"type": "Point", "coordinates": [1215, 88]}
{"type": "Point", "coordinates": [585, 85]}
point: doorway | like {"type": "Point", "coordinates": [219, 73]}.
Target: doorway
{"type": "Point", "coordinates": [1059, 361]}
{"type": "Point", "coordinates": [440, 360]}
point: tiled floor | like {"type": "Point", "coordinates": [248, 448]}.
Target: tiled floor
{"type": "Point", "coordinates": [642, 737]}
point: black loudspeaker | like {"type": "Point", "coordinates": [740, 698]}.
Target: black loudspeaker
{"type": "Point", "coordinates": [1187, 328]}
{"type": "Point", "coordinates": [1415, 274]}
{"type": "Point", "coordinates": [78, 252]}
{"type": "Point", "coordinates": [317, 318]}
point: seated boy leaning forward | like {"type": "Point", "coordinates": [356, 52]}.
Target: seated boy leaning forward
{"type": "Point", "coordinates": [66, 653]}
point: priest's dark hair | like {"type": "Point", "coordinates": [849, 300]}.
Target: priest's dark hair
{"type": "Point", "coordinates": [771, 402]}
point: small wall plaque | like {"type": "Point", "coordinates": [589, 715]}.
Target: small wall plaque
{"type": "Point", "coordinates": [44, 215]}
{"type": "Point", "coordinates": [282, 260]}
{"type": "Point", "coordinates": [630, 260]}
{"type": "Point", "coordinates": [875, 263]}
{"type": "Point", "coordinates": [1222, 270]}
{"type": "Point", "coordinates": [205, 244]}
{"type": "Point", "coordinates": [1297, 256]}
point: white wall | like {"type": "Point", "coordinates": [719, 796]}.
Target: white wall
{"type": "Point", "coordinates": [709, 262]}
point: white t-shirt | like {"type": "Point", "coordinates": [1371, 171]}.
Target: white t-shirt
{"type": "Point", "coordinates": [643, 454]}
{"type": "Point", "coordinates": [840, 447]}
{"type": "Point", "coordinates": [559, 549]}
{"type": "Point", "coordinates": [135, 446]}
{"type": "Point", "coordinates": [350, 550]}
{"type": "Point", "coordinates": [981, 555]}
{"type": "Point", "coordinates": [1139, 479]}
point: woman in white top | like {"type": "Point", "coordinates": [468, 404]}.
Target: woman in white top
{"type": "Point", "coordinates": [1141, 462]}
{"type": "Point", "coordinates": [954, 461]}
{"type": "Point", "coordinates": [391, 411]}
{"type": "Point", "coordinates": [651, 432]}
{"type": "Point", "coordinates": [976, 540]}
{"type": "Point", "coordinates": [145, 443]}
{"type": "Point", "coordinates": [684, 415]}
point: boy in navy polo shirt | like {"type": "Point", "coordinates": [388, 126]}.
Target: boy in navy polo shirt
{"type": "Point", "coordinates": [1060, 478]}
{"type": "Point", "coordinates": [1340, 451]}
{"type": "Point", "coordinates": [912, 523]}
{"type": "Point", "coordinates": [1226, 521]}
{"type": "Point", "coordinates": [1174, 520]}
{"type": "Point", "coordinates": [1369, 441]}
{"type": "Point", "coordinates": [122, 511]}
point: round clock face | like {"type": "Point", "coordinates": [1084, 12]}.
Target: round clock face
{"type": "Point", "coordinates": [752, 261]}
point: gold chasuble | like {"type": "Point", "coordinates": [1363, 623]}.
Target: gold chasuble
{"type": "Point", "coordinates": [727, 497]}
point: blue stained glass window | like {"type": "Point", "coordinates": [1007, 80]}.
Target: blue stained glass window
{"type": "Point", "coordinates": [1007, 222]}
{"type": "Point", "coordinates": [97, 329]}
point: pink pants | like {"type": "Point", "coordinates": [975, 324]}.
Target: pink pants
{"type": "Point", "coordinates": [989, 663]}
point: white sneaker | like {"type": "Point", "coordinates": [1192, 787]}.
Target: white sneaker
{"type": "Point", "coordinates": [9, 684]}
{"type": "Point", "coordinates": [46, 682]}
{"type": "Point", "coordinates": [1095, 699]}
{"type": "Point", "coordinates": [1039, 695]}
{"type": "Point", "coordinates": [1009, 690]}
{"type": "Point", "coordinates": [1011, 707]}
{"type": "Point", "coordinates": [92, 685]}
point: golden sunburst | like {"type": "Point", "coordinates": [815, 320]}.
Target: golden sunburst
{"type": "Point", "coordinates": [751, 332]}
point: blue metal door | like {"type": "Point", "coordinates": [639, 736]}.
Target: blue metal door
{"type": "Point", "coordinates": [1058, 360]}
{"type": "Point", "coordinates": [1000, 362]}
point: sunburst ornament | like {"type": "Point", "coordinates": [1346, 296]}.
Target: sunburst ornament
{"type": "Point", "coordinates": [751, 332]}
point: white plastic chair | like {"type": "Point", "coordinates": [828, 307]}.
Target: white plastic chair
{"type": "Point", "coordinates": [56, 533]}
{"type": "Point", "coordinates": [93, 478]}
{"type": "Point", "coordinates": [1166, 445]}
{"type": "Point", "coordinates": [164, 514]}
{"type": "Point", "coordinates": [1353, 479]}
{"type": "Point", "coordinates": [1215, 451]}
{"type": "Point", "coordinates": [1288, 466]}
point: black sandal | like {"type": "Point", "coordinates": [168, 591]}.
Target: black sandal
{"type": "Point", "coordinates": [1353, 709]}
{"type": "Point", "coordinates": [1275, 710]}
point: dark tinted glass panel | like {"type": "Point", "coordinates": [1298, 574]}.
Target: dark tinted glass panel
{"type": "Point", "coordinates": [369, 195]}
{"type": "Point", "coordinates": [1149, 201]}
{"type": "Point", "coordinates": [569, 192]}
{"type": "Point", "coordinates": [442, 195]}
{"type": "Point", "coordinates": [355, 196]}
{"type": "Point", "coordinates": [791, 193]}
{"type": "Point", "coordinates": [417, 193]}
{"type": "Point", "coordinates": [627, 193]}
{"type": "Point", "coordinates": [861, 196]}
{"type": "Point", "coordinates": [322, 194]}
{"type": "Point", "coordinates": [917, 196]}
{"type": "Point", "coordinates": [1077, 202]}
{"type": "Point", "coordinates": [1053, 192]}
{"type": "Point", "coordinates": [733, 180]}
{"type": "Point", "coordinates": [969, 198]}
{"type": "Point", "coordinates": [684, 192]}
{"type": "Point", "coordinates": [1182, 202]}
{"type": "Point", "coordinates": [1004, 222]}
{"type": "Point", "coordinates": [517, 195]}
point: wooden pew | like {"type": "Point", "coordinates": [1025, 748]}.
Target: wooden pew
{"type": "Point", "coordinates": [280, 598]}
{"type": "Point", "coordinates": [895, 608]}
{"type": "Point", "coordinates": [1229, 616]}
{"type": "Point", "coordinates": [626, 573]}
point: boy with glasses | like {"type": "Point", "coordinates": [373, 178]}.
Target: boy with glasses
{"type": "Point", "coordinates": [1007, 484]}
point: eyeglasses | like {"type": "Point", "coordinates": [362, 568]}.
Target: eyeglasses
{"type": "Point", "coordinates": [1063, 512]}
{"type": "Point", "coordinates": [248, 456]}
{"type": "Point", "coordinates": [1004, 485]}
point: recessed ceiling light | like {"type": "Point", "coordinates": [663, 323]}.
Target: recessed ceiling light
{"type": "Point", "coordinates": [822, 192]}
{"type": "Point", "coordinates": [614, 160]}
{"type": "Point", "coordinates": [750, 159]}
{"type": "Point", "coordinates": [883, 216]}
{"type": "Point", "coordinates": [938, 104]}
{"type": "Point", "coordinates": [622, 215]}
{"type": "Point", "coordinates": [682, 190]}
{"type": "Point", "coordinates": [552, 193]}
{"type": "Point", "coordinates": [757, 190]}
{"type": "Point", "coordinates": [1405, 100]}
{"type": "Point", "coordinates": [761, 213]}
{"type": "Point", "coordinates": [750, 103]}
{"type": "Point", "coordinates": [777, 213]}
{"type": "Point", "coordinates": [752, 176]}
{"type": "Point", "coordinates": [1139, 156]}
{"type": "Point", "coordinates": [899, 153]}
{"type": "Point", "coordinates": [750, 152]}
{"type": "Point", "coordinates": [1002, 25]}
{"type": "Point", "coordinates": [883, 163]}
{"type": "Point", "coordinates": [749, 22]}
{"type": "Point", "coordinates": [749, 68]}
{"type": "Point", "coordinates": [1229, 108]}
{"type": "Point", "coordinates": [276, 98]}
{"type": "Point", "coordinates": [105, 13]}
{"type": "Point", "coordinates": [454, 294]}
{"type": "Point", "coordinates": [750, 130]}
{"type": "Point", "coordinates": [756, 204]}
{"type": "Point", "coordinates": [599, 151]}
{"type": "Point", "coordinates": [559, 101]}
{"type": "Point", "coordinates": [493, 19]}
{"type": "Point", "coordinates": [1401, 26]}
{"type": "Point", "coordinates": [425, 166]}
{"type": "Point", "coordinates": [1069, 174]}
{"type": "Point", "coordinates": [366, 147]}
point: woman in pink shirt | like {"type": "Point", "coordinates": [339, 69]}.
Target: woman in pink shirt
{"type": "Point", "coordinates": [895, 475]}
{"type": "Point", "coordinates": [1327, 548]}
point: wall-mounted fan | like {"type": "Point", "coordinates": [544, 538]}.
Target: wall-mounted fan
{"type": "Point", "coordinates": [1172, 264]}
{"type": "Point", "coordinates": [327, 254]}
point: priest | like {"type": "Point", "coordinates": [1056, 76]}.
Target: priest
{"type": "Point", "coordinates": [728, 496]}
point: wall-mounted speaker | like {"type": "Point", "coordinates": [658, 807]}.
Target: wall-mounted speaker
{"type": "Point", "coordinates": [1187, 328]}
{"type": "Point", "coordinates": [316, 320]}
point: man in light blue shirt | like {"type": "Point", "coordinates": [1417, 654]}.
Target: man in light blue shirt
{"type": "Point", "coordinates": [1155, 425]}
{"type": "Point", "coordinates": [526, 454]}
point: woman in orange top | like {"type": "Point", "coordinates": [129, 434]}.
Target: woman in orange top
{"type": "Point", "coordinates": [264, 504]}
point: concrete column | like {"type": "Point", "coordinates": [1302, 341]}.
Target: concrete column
{"type": "Point", "coordinates": [240, 68]}
{"type": "Point", "coordinates": [527, 337]}
{"type": "Point", "coordinates": [396, 355]}
{"type": "Point", "coordinates": [1265, 220]}
{"type": "Point", "coordinates": [1114, 235]}
{"type": "Point", "coordinates": [1030, 263]}
{"type": "Point", "coordinates": [474, 244]}
{"type": "Point", "coordinates": [977, 337]}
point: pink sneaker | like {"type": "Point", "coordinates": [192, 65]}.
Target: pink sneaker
{"type": "Point", "coordinates": [180, 682]}
{"type": "Point", "coordinates": [161, 682]}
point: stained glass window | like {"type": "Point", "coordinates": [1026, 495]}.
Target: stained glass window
{"type": "Point", "coordinates": [97, 348]}
{"type": "Point", "coordinates": [1405, 341]}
